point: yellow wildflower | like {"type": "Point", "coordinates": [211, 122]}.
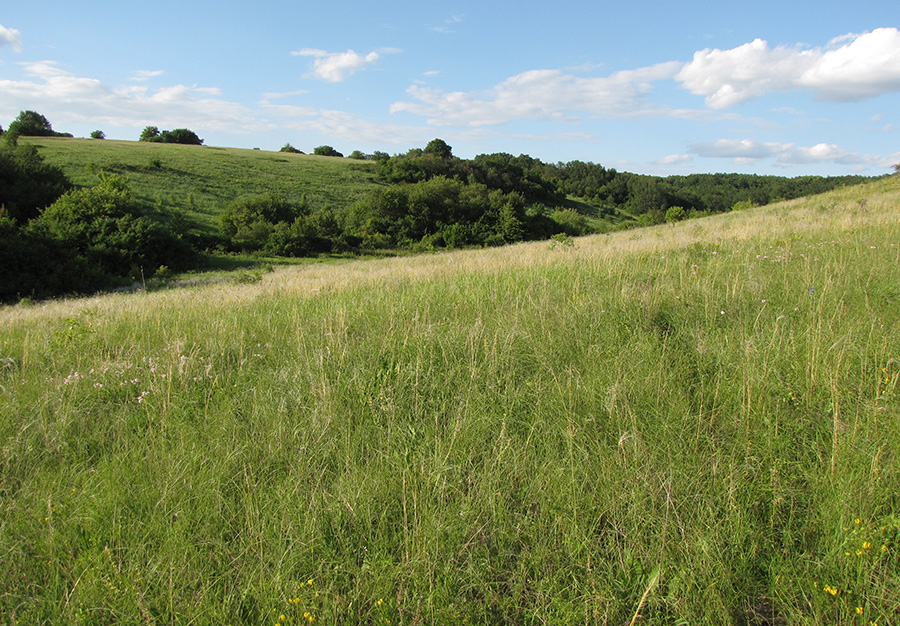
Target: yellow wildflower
{"type": "Point", "coordinates": [859, 610]}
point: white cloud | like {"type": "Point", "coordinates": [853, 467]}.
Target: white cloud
{"type": "Point", "coordinates": [447, 26]}
{"type": "Point", "coordinates": [674, 159]}
{"type": "Point", "coordinates": [737, 149]}
{"type": "Point", "coordinates": [853, 68]}
{"type": "Point", "coordinates": [539, 95]}
{"type": "Point", "coordinates": [142, 75]}
{"type": "Point", "coordinates": [10, 37]}
{"type": "Point", "coordinates": [343, 126]}
{"type": "Point", "coordinates": [746, 151]}
{"type": "Point", "coordinates": [68, 99]}
{"type": "Point", "coordinates": [335, 67]}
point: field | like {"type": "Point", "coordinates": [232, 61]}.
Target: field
{"type": "Point", "coordinates": [202, 180]}
{"type": "Point", "coordinates": [695, 423]}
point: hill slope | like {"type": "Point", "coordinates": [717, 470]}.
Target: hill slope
{"type": "Point", "coordinates": [696, 423]}
{"type": "Point", "coordinates": [202, 180]}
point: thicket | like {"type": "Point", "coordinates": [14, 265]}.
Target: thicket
{"type": "Point", "coordinates": [433, 199]}
{"type": "Point", "coordinates": [272, 225]}
{"type": "Point", "coordinates": [27, 183]}
{"type": "Point", "coordinates": [55, 240]}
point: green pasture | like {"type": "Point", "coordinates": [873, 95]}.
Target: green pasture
{"type": "Point", "coordinates": [689, 424]}
{"type": "Point", "coordinates": [202, 180]}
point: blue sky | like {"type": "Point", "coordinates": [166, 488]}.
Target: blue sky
{"type": "Point", "coordinates": [786, 88]}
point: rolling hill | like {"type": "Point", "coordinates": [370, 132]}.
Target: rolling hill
{"type": "Point", "coordinates": [202, 180]}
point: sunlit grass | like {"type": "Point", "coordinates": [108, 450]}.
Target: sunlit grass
{"type": "Point", "coordinates": [518, 435]}
{"type": "Point", "coordinates": [202, 180]}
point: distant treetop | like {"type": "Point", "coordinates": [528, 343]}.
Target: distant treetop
{"type": "Point", "coordinates": [327, 151]}
{"type": "Point", "coordinates": [32, 124]}
{"type": "Point", "coordinates": [439, 148]}
{"type": "Point", "coordinates": [179, 135]}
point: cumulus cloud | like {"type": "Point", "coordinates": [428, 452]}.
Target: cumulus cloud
{"type": "Point", "coordinates": [66, 98]}
{"type": "Point", "coordinates": [674, 159]}
{"type": "Point", "coordinates": [539, 95]}
{"type": "Point", "coordinates": [853, 67]}
{"type": "Point", "coordinates": [10, 37]}
{"type": "Point", "coordinates": [344, 126]}
{"type": "Point", "coordinates": [745, 151]}
{"type": "Point", "coordinates": [335, 67]}
{"type": "Point", "coordinates": [142, 75]}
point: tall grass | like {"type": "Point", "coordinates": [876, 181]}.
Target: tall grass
{"type": "Point", "coordinates": [690, 424]}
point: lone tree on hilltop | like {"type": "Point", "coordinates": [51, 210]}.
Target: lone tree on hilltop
{"type": "Point", "coordinates": [150, 133]}
{"type": "Point", "coordinates": [31, 124]}
{"type": "Point", "coordinates": [439, 148]}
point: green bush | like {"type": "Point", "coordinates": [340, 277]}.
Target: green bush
{"type": "Point", "coordinates": [266, 222]}
{"type": "Point", "coordinates": [675, 214]}
{"type": "Point", "coordinates": [571, 221]}
{"type": "Point", "coordinates": [327, 151]}
{"type": "Point", "coordinates": [179, 135]}
{"type": "Point", "coordinates": [27, 183]}
{"type": "Point", "coordinates": [35, 265]}
{"type": "Point", "coordinates": [106, 226]}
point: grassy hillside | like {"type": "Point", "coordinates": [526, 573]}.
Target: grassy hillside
{"type": "Point", "coordinates": [202, 180]}
{"type": "Point", "coordinates": [695, 423]}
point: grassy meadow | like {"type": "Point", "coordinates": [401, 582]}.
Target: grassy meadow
{"type": "Point", "coordinates": [695, 423]}
{"type": "Point", "coordinates": [202, 180]}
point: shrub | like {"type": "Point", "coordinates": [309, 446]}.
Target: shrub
{"type": "Point", "coordinates": [327, 151]}
{"type": "Point", "coordinates": [150, 133]}
{"type": "Point", "coordinates": [98, 134]}
{"type": "Point", "coordinates": [675, 214]}
{"type": "Point", "coordinates": [27, 183]}
{"type": "Point", "coordinates": [105, 226]}
{"type": "Point", "coordinates": [571, 221]}
{"type": "Point", "coordinates": [179, 135]}
{"type": "Point", "coordinates": [250, 220]}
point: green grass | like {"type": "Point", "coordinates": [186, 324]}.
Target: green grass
{"type": "Point", "coordinates": [202, 180]}
{"type": "Point", "coordinates": [695, 423]}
